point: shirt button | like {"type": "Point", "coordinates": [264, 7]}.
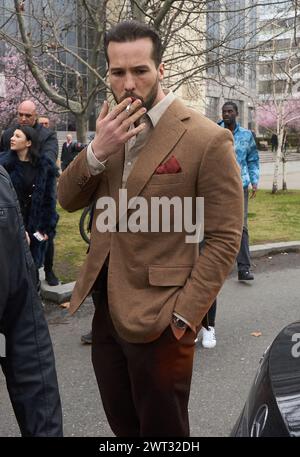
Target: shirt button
{"type": "Point", "coordinates": [129, 163]}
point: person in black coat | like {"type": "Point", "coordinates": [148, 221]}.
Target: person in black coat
{"type": "Point", "coordinates": [34, 177]}
{"type": "Point", "coordinates": [274, 142]}
{"type": "Point", "coordinates": [50, 276]}
{"type": "Point", "coordinates": [69, 151]}
{"type": "Point", "coordinates": [26, 354]}
{"type": "Point", "coordinates": [27, 115]}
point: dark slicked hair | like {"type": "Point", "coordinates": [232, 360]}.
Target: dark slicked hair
{"type": "Point", "coordinates": [234, 105]}
{"type": "Point", "coordinates": [131, 31]}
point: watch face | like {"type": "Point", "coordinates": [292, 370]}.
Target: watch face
{"type": "Point", "coordinates": [179, 323]}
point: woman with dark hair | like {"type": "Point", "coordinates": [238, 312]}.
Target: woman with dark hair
{"type": "Point", "coordinates": [33, 177]}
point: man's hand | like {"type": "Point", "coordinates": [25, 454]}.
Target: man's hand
{"type": "Point", "coordinates": [112, 129]}
{"type": "Point", "coordinates": [253, 191]}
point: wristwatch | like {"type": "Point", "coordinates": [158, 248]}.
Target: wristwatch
{"type": "Point", "coordinates": [178, 323]}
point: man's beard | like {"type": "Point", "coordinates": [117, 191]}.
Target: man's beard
{"type": "Point", "coordinates": [147, 102]}
{"type": "Point", "coordinates": [229, 122]}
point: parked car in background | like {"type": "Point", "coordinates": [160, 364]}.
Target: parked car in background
{"type": "Point", "coordinates": [273, 404]}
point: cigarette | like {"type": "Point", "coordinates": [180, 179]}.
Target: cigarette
{"type": "Point", "coordinates": [127, 110]}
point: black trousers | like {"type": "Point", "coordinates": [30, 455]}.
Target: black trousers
{"type": "Point", "coordinates": [49, 255]}
{"type": "Point", "coordinates": [243, 257]}
{"type": "Point", "coordinates": [211, 315]}
{"type": "Point", "coordinates": [144, 387]}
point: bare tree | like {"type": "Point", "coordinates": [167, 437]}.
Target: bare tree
{"type": "Point", "coordinates": [280, 63]}
{"type": "Point", "coordinates": [63, 44]}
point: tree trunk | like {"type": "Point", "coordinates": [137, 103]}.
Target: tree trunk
{"type": "Point", "coordinates": [277, 162]}
{"type": "Point", "coordinates": [284, 173]}
{"type": "Point", "coordinates": [284, 156]}
{"type": "Point", "coordinates": [81, 128]}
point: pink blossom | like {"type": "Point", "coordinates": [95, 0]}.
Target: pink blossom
{"type": "Point", "coordinates": [266, 115]}
{"type": "Point", "coordinates": [20, 85]}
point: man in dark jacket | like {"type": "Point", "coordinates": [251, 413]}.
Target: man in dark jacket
{"type": "Point", "coordinates": [274, 142]}
{"type": "Point", "coordinates": [26, 354]}
{"type": "Point", "coordinates": [69, 151]}
{"type": "Point", "coordinates": [50, 276]}
{"type": "Point", "coordinates": [27, 115]}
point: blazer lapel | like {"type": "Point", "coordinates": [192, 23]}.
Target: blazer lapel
{"type": "Point", "coordinates": [164, 137]}
{"type": "Point", "coordinates": [114, 174]}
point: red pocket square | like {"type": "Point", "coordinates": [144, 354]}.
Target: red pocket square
{"type": "Point", "coordinates": [171, 166]}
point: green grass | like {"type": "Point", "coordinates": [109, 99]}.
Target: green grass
{"type": "Point", "coordinates": [274, 217]}
{"type": "Point", "coordinates": [271, 218]}
{"type": "Point", "coordinates": [70, 249]}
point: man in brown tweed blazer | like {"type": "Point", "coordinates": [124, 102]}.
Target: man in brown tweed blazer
{"type": "Point", "coordinates": [151, 288]}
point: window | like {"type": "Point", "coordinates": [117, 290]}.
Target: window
{"type": "Point", "coordinates": [213, 35]}
{"type": "Point", "coordinates": [212, 108]}
{"type": "Point", "coordinates": [235, 28]}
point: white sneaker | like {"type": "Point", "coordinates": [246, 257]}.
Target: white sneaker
{"type": "Point", "coordinates": [208, 337]}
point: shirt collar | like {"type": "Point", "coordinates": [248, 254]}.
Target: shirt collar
{"type": "Point", "coordinates": [156, 112]}
{"type": "Point", "coordinates": [236, 128]}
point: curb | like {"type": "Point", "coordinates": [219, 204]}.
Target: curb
{"type": "Point", "coordinates": [55, 294]}
{"type": "Point", "coordinates": [260, 250]}
{"type": "Point", "coordinates": [62, 293]}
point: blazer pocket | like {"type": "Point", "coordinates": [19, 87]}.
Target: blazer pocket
{"type": "Point", "coordinates": [169, 276]}
{"type": "Point", "coordinates": [166, 178]}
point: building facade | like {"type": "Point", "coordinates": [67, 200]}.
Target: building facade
{"type": "Point", "coordinates": [279, 57]}
{"type": "Point", "coordinates": [279, 68]}
{"type": "Point", "coordinates": [231, 27]}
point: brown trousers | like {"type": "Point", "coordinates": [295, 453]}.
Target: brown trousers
{"type": "Point", "coordinates": [144, 387]}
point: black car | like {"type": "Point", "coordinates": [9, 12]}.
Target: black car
{"type": "Point", "coordinates": [273, 404]}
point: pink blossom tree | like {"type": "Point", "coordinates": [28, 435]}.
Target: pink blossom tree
{"type": "Point", "coordinates": [278, 116]}
{"type": "Point", "coordinates": [267, 115]}
{"type": "Point", "coordinates": [19, 85]}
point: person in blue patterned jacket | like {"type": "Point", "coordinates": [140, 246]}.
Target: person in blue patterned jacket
{"type": "Point", "coordinates": [248, 159]}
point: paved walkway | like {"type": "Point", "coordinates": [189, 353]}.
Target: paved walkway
{"type": "Point", "coordinates": [269, 156]}
{"type": "Point", "coordinates": [222, 376]}
{"type": "Point", "coordinates": [293, 175]}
